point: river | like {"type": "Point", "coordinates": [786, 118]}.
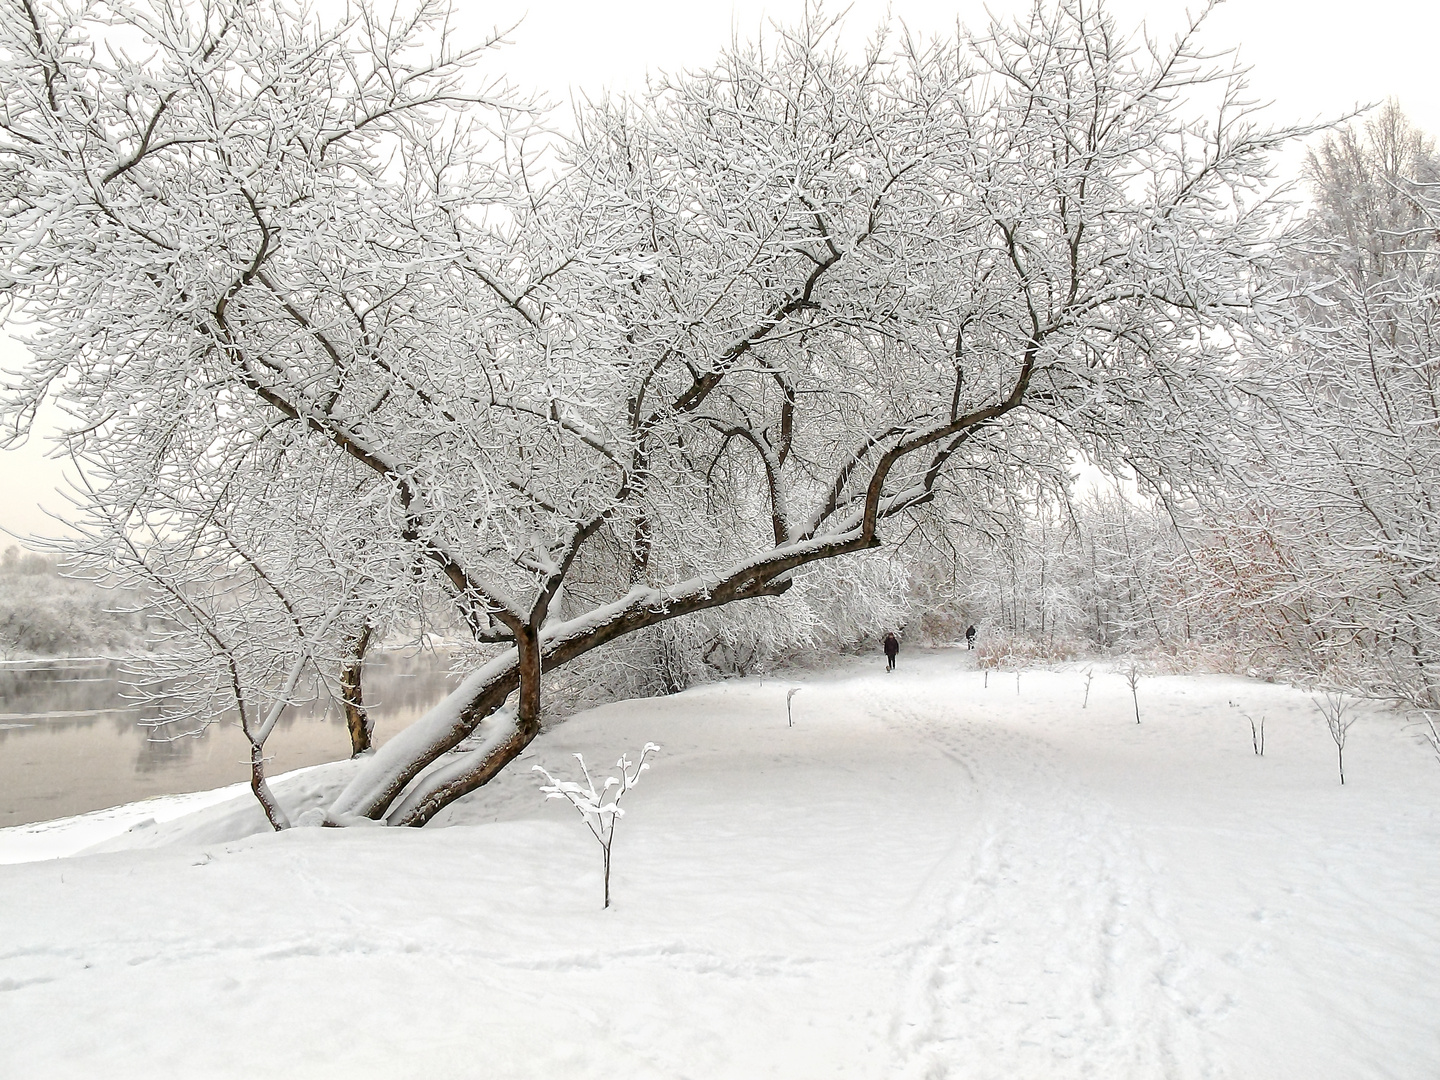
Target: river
{"type": "Point", "coordinates": [70, 743]}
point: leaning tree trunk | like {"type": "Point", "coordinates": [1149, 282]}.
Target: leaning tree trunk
{"type": "Point", "coordinates": [500, 746]}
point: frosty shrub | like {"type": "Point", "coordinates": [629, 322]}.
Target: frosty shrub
{"type": "Point", "coordinates": [599, 809]}
{"type": "Point", "coordinates": [1011, 651]}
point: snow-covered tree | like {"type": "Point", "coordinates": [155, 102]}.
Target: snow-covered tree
{"type": "Point", "coordinates": [1107, 571]}
{"type": "Point", "coordinates": [1333, 557]}
{"type": "Point", "coordinates": [44, 613]}
{"type": "Point", "coordinates": [309, 282]}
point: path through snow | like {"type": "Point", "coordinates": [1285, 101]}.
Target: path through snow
{"type": "Point", "coordinates": [1052, 954]}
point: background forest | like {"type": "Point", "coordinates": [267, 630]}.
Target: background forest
{"type": "Point", "coordinates": [45, 613]}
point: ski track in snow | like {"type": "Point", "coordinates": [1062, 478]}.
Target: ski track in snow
{"type": "Point", "coordinates": [1046, 889]}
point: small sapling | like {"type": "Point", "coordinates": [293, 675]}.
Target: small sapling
{"type": "Point", "coordinates": [1339, 713]}
{"type": "Point", "coordinates": [1429, 732]}
{"type": "Point", "coordinates": [599, 815]}
{"type": "Point", "coordinates": [1257, 731]}
{"type": "Point", "coordinates": [1133, 674]}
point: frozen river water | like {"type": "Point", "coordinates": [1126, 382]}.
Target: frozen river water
{"type": "Point", "coordinates": [71, 743]}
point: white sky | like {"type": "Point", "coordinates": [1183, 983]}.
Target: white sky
{"type": "Point", "coordinates": [1312, 60]}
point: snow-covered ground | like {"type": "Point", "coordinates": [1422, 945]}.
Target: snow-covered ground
{"type": "Point", "coordinates": [923, 878]}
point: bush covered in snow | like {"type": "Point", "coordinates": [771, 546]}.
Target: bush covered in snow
{"type": "Point", "coordinates": [45, 614]}
{"type": "Point", "coordinates": [1008, 651]}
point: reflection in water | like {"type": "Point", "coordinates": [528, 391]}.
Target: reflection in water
{"type": "Point", "coordinates": [70, 742]}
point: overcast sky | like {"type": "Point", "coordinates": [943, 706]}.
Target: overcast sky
{"type": "Point", "coordinates": [1313, 60]}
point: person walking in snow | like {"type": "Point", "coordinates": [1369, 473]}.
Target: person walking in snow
{"type": "Point", "coordinates": [892, 649]}
{"type": "Point", "coordinates": [970, 638]}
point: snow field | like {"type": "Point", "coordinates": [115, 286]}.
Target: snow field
{"type": "Point", "coordinates": [921, 879]}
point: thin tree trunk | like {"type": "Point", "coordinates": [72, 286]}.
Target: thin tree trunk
{"type": "Point", "coordinates": [607, 874]}
{"type": "Point", "coordinates": [356, 719]}
{"type": "Point", "coordinates": [273, 812]}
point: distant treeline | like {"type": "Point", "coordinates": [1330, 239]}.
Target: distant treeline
{"type": "Point", "coordinates": [43, 613]}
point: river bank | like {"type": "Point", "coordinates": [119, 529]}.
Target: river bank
{"type": "Point", "coordinates": [72, 742]}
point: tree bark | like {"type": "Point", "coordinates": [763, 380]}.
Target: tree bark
{"type": "Point", "coordinates": [263, 795]}
{"type": "Point", "coordinates": [356, 718]}
{"type": "Point", "coordinates": [528, 655]}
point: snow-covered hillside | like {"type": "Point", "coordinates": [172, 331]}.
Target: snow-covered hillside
{"type": "Point", "coordinates": [924, 877]}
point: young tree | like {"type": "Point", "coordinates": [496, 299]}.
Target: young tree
{"type": "Point", "coordinates": [600, 816]}
{"type": "Point", "coordinates": [732, 330]}
{"type": "Point", "coordinates": [1257, 731]}
{"type": "Point", "coordinates": [1133, 673]}
{"type": "Point", "coordinates": [1339, 714]}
